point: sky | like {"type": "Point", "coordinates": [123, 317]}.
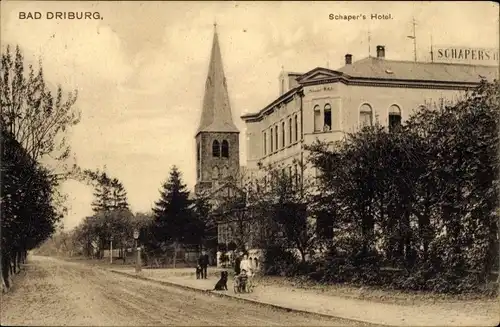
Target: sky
{"type": "Point", "coordinates": [140, 70]}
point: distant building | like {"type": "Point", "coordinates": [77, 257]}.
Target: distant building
{"type": "Point", "coordinates": [324, 104]}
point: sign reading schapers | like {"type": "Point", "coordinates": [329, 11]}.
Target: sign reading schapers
{"type": "Point", "coordinates": [465, 55]}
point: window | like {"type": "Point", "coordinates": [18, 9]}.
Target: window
{"type": "Point", "coordinates": [225, 149]}
{"type": "Point", "coordinates": [394, 117]}
{"type": "Point", "coordinates": [198, 152]}
{"type": "Point", "coordinates": [216, 149]}
{"type": "Point", "coordinates": [265, 143]}
{"type": "Point", "coordinates": [290, 131]}
{"type": "Point", "coordinates": [365, 115]}
{"type": "Point", "coordinates": [272, 138]}
{"type": "Point", "coordinates": [296, 128]}
{"type": "Point", "coordinates": [276, 138]}
{"type": "Point", "coordinates": [283, 134]}
{"type": "Point", "coordinates": [327, 118]}
{"type": "Point", "coordinates": [215, 173]}
{"type": "Point", "coordinates": [290, 175]}
{"type": "Point", "coordinates": [317, 119]}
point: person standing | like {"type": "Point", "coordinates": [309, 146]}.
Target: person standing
{"type": "Point", "coordinates": [246, 265]}
{"type": "Point", "coordinates": [237, 262]}
{"type": "Point", "coordinates": [203, 263]}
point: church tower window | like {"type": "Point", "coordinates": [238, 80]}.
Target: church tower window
{"type": "Point", "coordinates": [225, 149]}
{"type": "Point", "coordinates": [216, 149]}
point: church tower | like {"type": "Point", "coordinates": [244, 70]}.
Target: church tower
{"type": "Point", "coordinates": [217, 137]}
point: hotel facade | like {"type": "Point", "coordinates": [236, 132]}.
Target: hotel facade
{"type": "Point", "coordinates": [324, 104]}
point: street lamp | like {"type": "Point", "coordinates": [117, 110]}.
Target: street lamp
{"type": "Point", "coordinates": [111, 249]}
{"type": "Point", "coordinates": [138, 250]}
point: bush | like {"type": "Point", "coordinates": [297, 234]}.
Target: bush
{"type": "Point", "coordinates": [347, 261]}
{"type": "Point", "coordinates": [280, 262]}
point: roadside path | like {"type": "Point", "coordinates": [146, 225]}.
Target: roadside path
{"type": "Point", "coordinates": [459, 313]}
{"type": "Point", "coordinates": [55, 292]}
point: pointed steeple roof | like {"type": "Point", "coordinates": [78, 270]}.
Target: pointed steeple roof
{"type": "Point", "coordinates": [216, 112]}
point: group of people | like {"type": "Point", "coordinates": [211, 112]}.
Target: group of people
{"type": "Point", "coordinates": [242, 265]}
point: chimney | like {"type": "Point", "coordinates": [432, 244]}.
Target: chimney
{"type": "Point", "coordinates": [348, 59]}
{"type": "Point", "coordinates": [380, 51]}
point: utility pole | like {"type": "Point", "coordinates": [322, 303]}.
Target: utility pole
{"type": "Point", "coordinates": [432, 52]}
{"type": "Point", "coordinates": [414, 38]}
{"type": "Point", "coordinates": [369, 46]}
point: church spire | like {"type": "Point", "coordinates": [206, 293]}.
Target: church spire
{"type": "Point", "coordinates": [216, 112]}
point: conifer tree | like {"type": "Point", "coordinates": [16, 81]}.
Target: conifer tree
{"type": "Point", "coordinates": [175, 221]}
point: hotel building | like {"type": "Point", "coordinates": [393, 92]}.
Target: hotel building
{"type": "Point", "coordinates": [324, 104]}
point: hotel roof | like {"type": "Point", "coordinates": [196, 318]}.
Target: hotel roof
{"type": "Point", "coordinates": [373, 69]}
{"type": "Point", "coordinates": [376, 68]}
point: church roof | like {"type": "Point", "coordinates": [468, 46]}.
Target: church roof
{"type": "Point", "coordinates": [216, 111]}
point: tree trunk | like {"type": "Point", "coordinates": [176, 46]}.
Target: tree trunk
{"type": "Point", "coordinates": [18, 261]}
{"type": "Point", "coordinates": [5, 267]}
{"type": "Point", "coordinates": [302, 255]}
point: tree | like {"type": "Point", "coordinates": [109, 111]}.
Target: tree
{"type": "Point", "coordinates": [208, 225]}
{"type": "Point", "coordinates": [37, 119]}
{"type": "Point", "coordinates": [175, 222]}
{"type": "Point", "coordinates": [109, 193]}
{"type": "Point", "coordinates": [28, 214]}
{"type": "Point", "coordinates": [34, 125]}
{"type": "Point", "coordinates": [421, 198]}
{"type": "Point", "coordinates": [290, 212]}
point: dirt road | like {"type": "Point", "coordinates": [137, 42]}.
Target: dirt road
{"type": "Point", "coordinates": [55, 293]}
